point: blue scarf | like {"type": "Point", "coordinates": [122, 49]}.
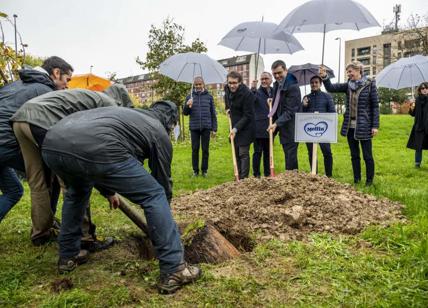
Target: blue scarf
{"type": "Point", "coordinates": [355, 84]}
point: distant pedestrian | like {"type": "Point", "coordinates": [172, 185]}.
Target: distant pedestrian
{"type": "Point", "coordinates": [203, 123]}
{"type": "Point", "coordinates": [418, 139]}
{"type": "Point", "coordinates": [361, 118]}
{"type": "Point", "coordinates": [240, 102]}
{"type": "Point", "coordinates": [319, 101]}
{"type": "Point", "coordinates": [261, 144]}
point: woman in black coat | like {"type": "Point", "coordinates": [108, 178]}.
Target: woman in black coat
{"type": "Point", "coordinates": [418, 139]}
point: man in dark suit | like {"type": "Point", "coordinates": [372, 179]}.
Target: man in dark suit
{"type": "Point", "coordinates": [287, 101]}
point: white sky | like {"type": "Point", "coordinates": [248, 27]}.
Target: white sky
{"type": "Point", "coordinates": [110, 34]}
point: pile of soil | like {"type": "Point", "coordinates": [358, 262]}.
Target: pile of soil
{"type": "Point", "coordinates": [288, 206]}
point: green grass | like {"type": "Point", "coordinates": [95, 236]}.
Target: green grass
{"type": "Point", "coordinates": [380, 267]}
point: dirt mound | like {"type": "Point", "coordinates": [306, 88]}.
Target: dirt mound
{"type": "Point", "coordinates": [289, 206]}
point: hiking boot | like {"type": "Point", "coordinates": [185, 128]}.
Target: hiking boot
{"type": "Point", "coordinates": [97, 245]}
{"type": "Point", "coordinates": [204, 174]}
{"type": "Point", "coordinates": [195, 174]}
{"type": "Point", "coordinates": [66, 265]}
{"type": "Point", "coordinates": [369, 183]}
{"type": "Point", "coordinates": [417, 165]}
{"type": "Point", "coordinates": [172, 282]}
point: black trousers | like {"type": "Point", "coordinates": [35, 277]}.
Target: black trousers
{"type": "Point", "coordinates": [242, 153]}
{"type": "Point", "coordinates": [366, 147]}
{"type": "Point", "coordinates": [326, 153]}
{"type": "Point", "coordinates": [261, 148]}
{"type": "Point", "coordinates": [290, 153]}
{"type": "Point", "coordinates": [198, 138]}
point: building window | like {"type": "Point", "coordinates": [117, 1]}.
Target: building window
{"type": "Point", "coordinates": [399, 45]}
{"type": "Point", "coordinates": [411, 44]}
{"type": "Point", "coordinates": [363, 51]}
{"type": "Point", "coordinates": [364, 61]}
{"type": "Point", "coordinates": [386, 54]}
{"type": "Point", "coordinates": [366, 71]}
{"type": "Point", "coordinates": [374, 60]}
{"type": "Point", "coordinates": [353, 52]}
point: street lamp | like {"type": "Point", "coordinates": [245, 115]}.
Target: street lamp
{"type": "Point", "coordinates": [90, 69]}
{"type": "Point", "coordinates": [340, 46]}
{"type": "Point", "coordinates": [16, 40]}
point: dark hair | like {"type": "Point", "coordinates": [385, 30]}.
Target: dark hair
{"type": "Point", "coordinates": [56, 62]}
{"type": "Point", "coordinates": [235, 75]}
{"type": "Point", "coordinates": [316, 77]}
{"type": "Point", "coordinates": [278, 63]}
{"type": "Point", "coordinates": [423, 84]}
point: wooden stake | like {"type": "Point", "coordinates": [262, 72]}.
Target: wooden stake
{"type": "Point", "coordinates": [232, 142]}
{"type": "Point", "coordinates": [271, 161]}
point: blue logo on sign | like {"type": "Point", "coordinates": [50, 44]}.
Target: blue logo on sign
{"type": "Point", "coordinates": [316, 130]}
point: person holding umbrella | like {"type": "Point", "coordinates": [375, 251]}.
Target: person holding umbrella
{"type": "Point", "coordinates": [418, 139]}
{"type": "Point", "coordinates": [203, 121]}
{"type": "Point", "coordinates": [240, 102]}
{"type": "Point", "coordinates": [318, 101]}
{"type": "Point", "coordinates": [361, 118]}
{"type": "Point", "coordinates": [287, 101]}
{"type": "Point", "coordinates": [261, 144]}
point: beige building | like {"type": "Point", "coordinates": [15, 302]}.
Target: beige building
{"type": "Point", "coordinates": [378, 51]}
{"type": "Point", "coordinates": [141, 85]}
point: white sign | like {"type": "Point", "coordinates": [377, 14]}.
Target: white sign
{"type": "Point", "coordinates": [316, 127]}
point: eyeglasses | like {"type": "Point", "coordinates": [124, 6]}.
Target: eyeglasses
{"type": "Point", "coordinates": [232, 82]}
{"type": "Point", "coordinates": [423, 88]}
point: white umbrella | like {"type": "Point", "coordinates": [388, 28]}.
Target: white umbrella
{"type": "Point", "coordinates": [405, 73]}
{"type": "Point", "coordinates": [327, 15]}
{"type": "Point", "coordinates": [186, 66]}
{"type": "Point", "coordinates": [258, 36]}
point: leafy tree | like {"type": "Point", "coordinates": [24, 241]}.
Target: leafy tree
{"type": "Point", "coordinates": [386, 96]}
{"type": "Point", "coordinates": [165, 41]}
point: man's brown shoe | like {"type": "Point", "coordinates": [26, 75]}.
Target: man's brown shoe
{"type": "Point", "coordinates": [172, 282]}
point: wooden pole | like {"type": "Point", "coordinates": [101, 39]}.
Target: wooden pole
{"type": "Point", "coordinates": [271, 161]}
{"type": "Point", "coordinates": [132, 214]}
{"type": "Point", "coordinates": [232, 142]}
{"type": "Point", "coordinates": [314, 156]}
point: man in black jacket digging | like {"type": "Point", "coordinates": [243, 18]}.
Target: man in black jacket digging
{"type": "Point", "coordinates": [240, 102]}
{"type": "Point", "coordinates": [108, 153]}
{"type": "Point", "coordinates": [54, 74]}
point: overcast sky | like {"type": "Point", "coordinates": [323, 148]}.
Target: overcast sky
{"type": "Point", "coordinates": [110, 34]}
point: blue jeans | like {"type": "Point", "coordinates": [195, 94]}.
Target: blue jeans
{"type": "Point", "coordinates": [132, 181]}
{"type": "Point", "coordinates": [10, 186]}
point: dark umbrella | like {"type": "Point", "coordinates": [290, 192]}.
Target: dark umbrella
{"type": "Point", "coordinates": [305, 72]}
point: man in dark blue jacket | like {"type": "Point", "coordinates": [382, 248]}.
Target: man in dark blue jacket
{"type": "Point", "coordinates": [240, 102]}
{"type": "Point", "coordinates": [318, 101]}
{"type": "Point", "coordinates": [261, 144]}
{"type": "Point", "coordinates": [286, 102]}
{"type": "Point", "coordinates": [54, 74]}
{"type": "Point", "coordinates": [203, 121]}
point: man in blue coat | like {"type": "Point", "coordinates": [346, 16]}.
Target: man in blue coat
{"type": "Point", "coordinates": [203, 121]}
{"type": "Point", "coordinates": [54, 74]}
{"type": "Point", "coordinates": [287, 101]}
{"type": "Point", "coordinates": [261, 144]}
{"type": "Point", "coordinates": [318, 101]}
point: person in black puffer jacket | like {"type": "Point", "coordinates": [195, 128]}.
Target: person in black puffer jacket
{"type": "Point", "coordinates": [318, 101]}
{"type": "Point", "coordinates": [240, 102]}
{"type": "Point", "coordinates": [361, 118]}
{"type": "Point", "coordinates": [418, 139]}
{"type": "Point", "coordinates": [52, 75]}
{"type": "Point", "coordinates": [203, 121]}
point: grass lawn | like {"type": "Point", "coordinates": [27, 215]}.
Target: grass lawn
{"type": "Point", "coordinates": [380, 267]}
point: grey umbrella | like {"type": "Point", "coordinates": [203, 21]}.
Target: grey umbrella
{"type": "Point", "coordinates": [258, 36]}
{"type": "Point", "coordinates": [405, 73]}
{"type": "Point", "coordinates": [327, 15]}
{"type": "Point", "coordinates": [186, 66]}
{"type": "Point", "coordinates": [305, 72]}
